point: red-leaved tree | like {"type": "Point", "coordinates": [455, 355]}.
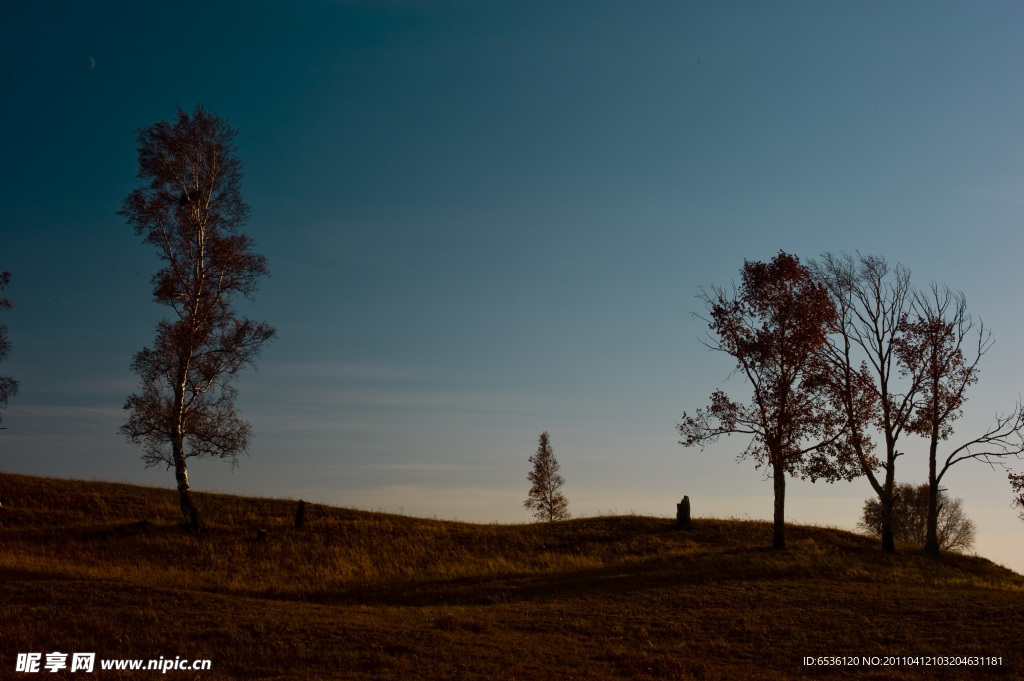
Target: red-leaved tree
{"type": "Point", "coordinates": [775, 327]}
{"type": "Point", "coordinates": [933, 344]}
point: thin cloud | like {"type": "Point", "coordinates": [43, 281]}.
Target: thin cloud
{"type": "Point", "coordinates": [340, 370]}
{"type": "Point", "coordinates": [62, 412]}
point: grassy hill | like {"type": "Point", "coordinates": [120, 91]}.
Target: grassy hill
{"type": "Point", "coordinates": [106, 568]}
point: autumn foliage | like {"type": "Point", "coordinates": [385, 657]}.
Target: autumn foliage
{"type": "Point", "coordinates": [189, 207]}
{"type": "Point", "coordinates": [775, 327]}
{"type": "Point", "coordinates": [943, 346]}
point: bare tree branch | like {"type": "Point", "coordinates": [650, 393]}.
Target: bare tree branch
{"type": "Point", "coordinates": [872, 299]}
{"type": "Point", "coordinates": [1003, 440]}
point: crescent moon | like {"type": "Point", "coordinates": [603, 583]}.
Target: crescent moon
{"type": "Point", "coordinates": [92, 63]}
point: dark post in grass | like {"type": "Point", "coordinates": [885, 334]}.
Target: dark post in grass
{"type": "Point", "coordinates": [300, 513]}
{"type": "Point", "coordinates": [683, 515]}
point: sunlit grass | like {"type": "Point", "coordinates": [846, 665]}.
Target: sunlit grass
{"type": "Point", "coordinates": [357, 594]}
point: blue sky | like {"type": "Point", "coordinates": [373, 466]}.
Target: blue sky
{"type": "Point", "coordinates": [489, 219]}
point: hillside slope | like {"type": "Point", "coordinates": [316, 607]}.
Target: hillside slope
{"type": "Point", "coordinates": [105, 568]}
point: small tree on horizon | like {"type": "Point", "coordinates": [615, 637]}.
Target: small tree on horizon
{"type": "Point", "coordinates": [8, 386]}
{"type": "Point", "coordinates": [1017, 485]}
{"type": "Point", "coordinates": [545, 496]}
{"type": "Point", "coordinates": [954, 530]}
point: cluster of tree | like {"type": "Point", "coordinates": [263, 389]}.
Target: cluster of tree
{"type": "Point", "coordinates": [845, 357]}
{"type": "Point", "coordinates": [189, 207]}
{"type": "Point", "coordinates": [910, 518]}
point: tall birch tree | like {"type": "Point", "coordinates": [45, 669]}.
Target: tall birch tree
{"type": "Point", "coordinates": [189, 207]}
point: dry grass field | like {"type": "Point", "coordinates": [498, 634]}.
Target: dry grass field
{"type": "Point", "coordinates": [106, 568]}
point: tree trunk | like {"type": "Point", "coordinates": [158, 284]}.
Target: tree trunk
{"type": "Point", "coordinates": [888, 499]}
{"type": "Point", "coordinates": [779, 482]}
{"type": "Point", "coordinates": [931, 544]}
{"type": "Point", "coordinates": [888, 539]}
{"type": "Point", "coordinates": [188, 507]}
